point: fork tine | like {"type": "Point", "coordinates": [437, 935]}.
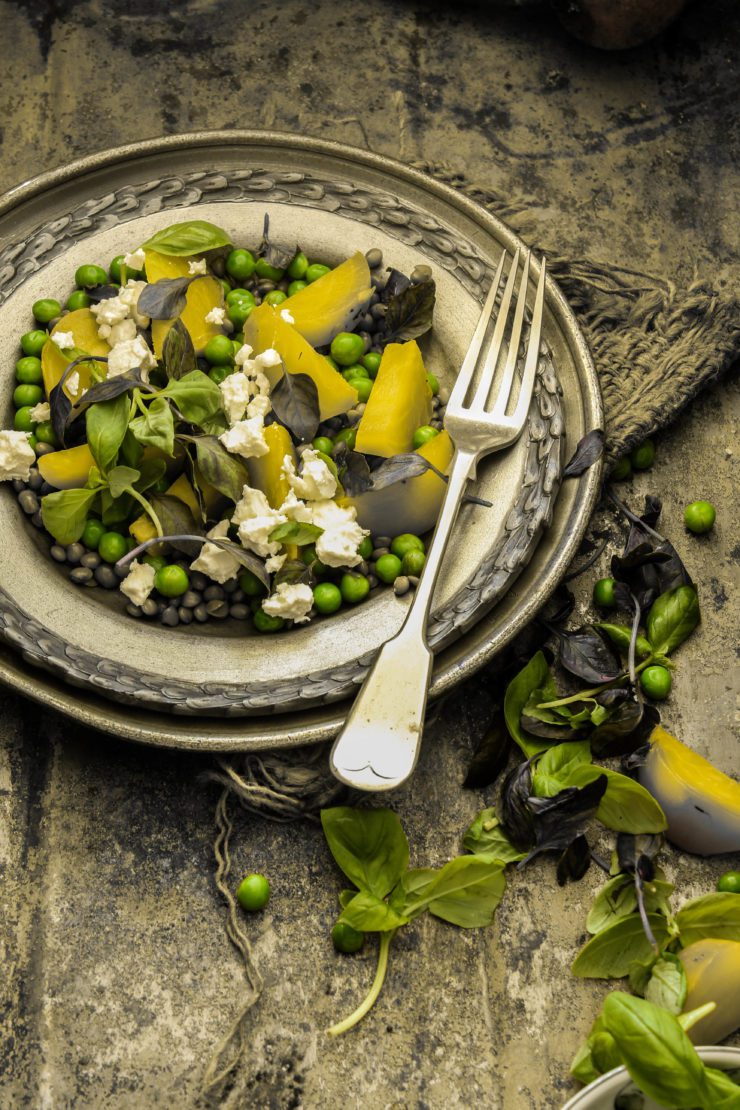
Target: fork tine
{"type": "Point", "coordinates": [533, 353]}
{"type": "Point", "coordinates": [492, 357]}
{"type": "Point", "coordinates": [457, 397]}
{"type": "Point", "coordinates": [502, 399]}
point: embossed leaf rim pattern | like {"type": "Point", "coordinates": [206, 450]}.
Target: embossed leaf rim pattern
{"type": "Point", "coordinates": [400, 220]}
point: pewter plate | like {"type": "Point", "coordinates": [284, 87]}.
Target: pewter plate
{"type": "Point", "coordinates": [504, 561]}
{"type": "Point", "coordinates": [602, 1093]}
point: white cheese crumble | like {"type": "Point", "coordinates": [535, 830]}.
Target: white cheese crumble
{"type": "Point", "coordinates": [342, 535]}
{"type": "Point", "coordinates": [40, 412]}
{"type": "Point", "coordinates": [129, 355]}
{"type": "Point", "coordinates": [255, 519]}
{"type": "Point", "coordinates": [72, 383]}
{"type": "Point", "coordinates": [268, 358]}
{"type": "Point", "coordinates": [246, 438]}
{"type": "Point", "coordinates": [285, 314]}
{"type": "Point", "coordinates": [274, 563]}
{"type": "Point", "coordinates": [135, 260]}
{"type": "Point", "coordinates": [246, 391]}
{"type": "Point", "coordinates": [122, 333]}
{"type": "Point", "coordinates": [291, 601]}
{"type": "Point", "coordinates": [16, 455]}
{"type": "Point", "coordinates": [218, 564]}
{"type": "Point", "coordinates": [198, 266]}
{"type": "Point", "coordinates": [63, 339]}
{"type": "Point", "coordinates": [315, 482]}
{"type": "Point", "coordinates": [217, 315]}
{"type": "Point", "coordinates": [259, 406]}
{"type": "Point", "coordinates": [243, 355]}
{"type": "Point", "coordinates": [139, 582]}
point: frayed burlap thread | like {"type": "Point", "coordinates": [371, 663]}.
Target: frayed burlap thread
{"type": "Point", "coordinates": [655, 347]}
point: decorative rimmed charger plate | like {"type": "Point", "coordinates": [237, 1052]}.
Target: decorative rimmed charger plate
{"type": "Point", "coordinates": [503, 562]}
{"type": "Point", "coordinates": [602, 1093]}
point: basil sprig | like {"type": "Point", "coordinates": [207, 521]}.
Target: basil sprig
{"type": "Point", "coordinates": [187, 237]}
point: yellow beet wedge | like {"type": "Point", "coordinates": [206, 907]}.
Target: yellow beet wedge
{"type": "Point", "coordinates": [713, 975]}
{"type": "Point", "coordinates": [266, 328]}
{"type": "Point", "coordinates": [266, 472]}
{"type": "Point", "coordinates": [83, 326]}
{"type": "Point", "coordinates": [701, 804]}
{"type": "Point", "coordinates": [401, 402]}
{"type": "Point", "coordinates": [412, 505]}
{"type": "Point", "coordinates": [68, 469]}
{"type": "Point", "coordinates": [332, 302]}
{"type": "Point", "coordinates": [202, 296]}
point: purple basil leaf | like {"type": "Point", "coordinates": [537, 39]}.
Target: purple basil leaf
{"type": "Point", "coordinates": [574, 862]}
{"type": "Point", "coordinates": [588, 451]}
{"type": "Point", "coordinates": [588, 655]}
{"type": "Point", "coordinates": [166, 298]}
{"type": "Point", "coordinates": [295, 402]}
{"type": "Point", "coordinates": [102, 293]}
{"type": "Point", "coordinates": [491, 755]}
{"type": "Point", "coordinates": [516, 815]}
{"type": "Point", "coordinates": [356, 476]}
{"type": "Point", "coordinates": [559, 819]}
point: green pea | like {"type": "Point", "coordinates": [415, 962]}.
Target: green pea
{"type": "Point", "coordinates": [699, 516]}
{"type": "Point", "coordinates": [348, 436]}
{"type": "Point", "coordinates": [236, 295]}
{"type": "Point", "coordinates": [263, 622]}
{"type": "Point", "coordinates": [323, 444]}
{"type": "Point", "coordinates": [46, 309]}
{"type": "Point", "coordinates": [604, 593]}
{"type": "Point", "coordinates": [250, 584]}
{"type": "Point", "coordinates": [28, 370]}
{"type": "Point", "coordinates": [406, 542]}
{"type": "Point", "coordinates": [365, 549]}
{"type": "Point", "coordinates": [114, 269]}
{"type": "Point", "coordinates": [433, 384]}
{"type": "Point", "coordinates": [219, 373]}
{"type": "Point", "coordinates": [225, 286]}
{"type": "Point", "coordinates": [371, 362]}
{"type": "Point", "coordinates": [93, 532]}
{"type": "Point", "coordinates": [364, 388]}
{"type": "Point", "coordinates": [27, 395]}
{"type": "Point", "coordinates": [346, 939]}
{"type": "Point", "coordinates": [78, 299]}
{"type": "Point", "coordinates": [354, 588]}
{"type": "Point", "coordinates": [298, 266]}
{"type": "Point", "coordinates": [347, 348]}
{"type": "Point", "coordinates": [239, 312]}
{"type": "Point", "coordinates": [311, 559]}
{"type": "Point", "coordinates": [44, 433]}
{"type": "Point", "coordinates": [112, 546]}
{"type": "Point", "coordinates": [656, 682]}
{"type": "Point", "coordinates": [88, 276]}
{"type": "Point", "coordinates": [423, 434]}
{"type": "Point", "coordinates": [622, 470]}
{"type": "Point", "coordinates": [33, 341]}
{"type": "Point", "coordinates": [729, 883]}
{"type": "Point", "coordinates": [356, 371]}
{"type": "Point", "coordinates": [331, 362]}
{"type": "Point", "coordinates": [156, 561]}
{"type": "Point", "coordinates": [22, 421]}
{"type": "Point", "coordinates": [295, 287]}
{"type": "Point", "coordinates": [388, 568]}
{"type": "Point", "coordinates": [238, 337]}
{"type": "Point", "coordinates": [413, 562]}
{"type": "Point", "coordinates": [240, 264]}
{"type": "Point", "coordinates": [316, 271]}
{"type": "Point", "coordinates": [219, 351]}
{"type": "Point", "coordinates": [171, 580]}
{"type": "Point", "coordinates": [643, 457]}
{"type": "Point", "coordinates": [32, 441]}
{"type": "Point", "coordinates": [263, 269]}
{"type": "Point", "coordinates": [237, 345]}
{"type": "Point", "coordinates": [327, 597]}
{"type": "Point", "coordinates": [253, 892]}
{"type": "Point", "coordinates": [276, 296]}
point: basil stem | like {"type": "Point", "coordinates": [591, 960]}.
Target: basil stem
{"type": "Point", "coordinates": [371, 997]}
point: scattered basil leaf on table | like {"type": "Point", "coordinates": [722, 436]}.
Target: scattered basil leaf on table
{"type": "Point", "coordinates": [620, 635]}
{"type": "Point", "coordinates": [516, 815]}
{"type": "Point", "coordinates": [534, 676]}
{"type": "Point", "coordinates": [667, 985]}
{"type": "Point", "coordinates": [369, 846]}
{"type": "Point", "coordinates": [558, 820]}
{"type": "Point", "coordinates": [187, 237]}
{"type": "Point", "coordinates": [370, 914]}
{"type": "Point", "coordinates": [65, 512]}
{"type": "Point", "coordinates": [486, 837]}
{"type": "Point", "coordinates": [490, 756]}
{"type": "Point", "coordinates": [611, 952]}
{"type": "Point", "coordinates": [626, 806]}
{"type": "Point", "coordinates": [553, 769]}
{"type": "Point", "coordinates": [574, 862]}
{"type": "Point", "coordinates": [713, 915]}
{"type": "Point", "coordinates": [295, 402]}
{"type": "Point", "coordinates": [673, 617]}
{"type": "Point", "coordinates": [587, 655]}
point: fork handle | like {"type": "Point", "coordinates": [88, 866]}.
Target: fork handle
{"type": "Point", "coordinates": [379, 744]}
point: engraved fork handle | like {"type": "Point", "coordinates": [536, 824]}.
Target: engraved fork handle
{"type": "Point", "coordinates": [378, 746]}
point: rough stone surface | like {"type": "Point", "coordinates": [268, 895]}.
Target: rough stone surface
{"type": "Point", "coordinates": [118, 979]}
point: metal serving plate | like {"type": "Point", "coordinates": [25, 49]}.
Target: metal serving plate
{"type": "Point", "coordinates": [332, 200]}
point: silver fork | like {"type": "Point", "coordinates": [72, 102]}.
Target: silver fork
{"type": "Point", "coordinates": [379, 744]}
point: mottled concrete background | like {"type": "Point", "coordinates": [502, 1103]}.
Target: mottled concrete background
{"type": "Point", "coordinates": [117, 976]}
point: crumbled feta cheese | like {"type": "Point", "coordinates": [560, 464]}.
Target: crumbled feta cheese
{"type": "Point", "coordinates": [237, 391]}
{"type": "Point", "coordinates": [292, 601]}
{"type": "Point", "coordinates": [197, 267]}
{"type": "Point", "coordinates": [109, 312]}
{"type": "Point", "coordinates": [274, 563]}
{"type": "Point", "coordinates": [122, 333]}
{"type": "Point", "coordinates": [218, 564]}
{"type": "Point", "coordinates": [40, 412]}
{"type": "Point", "coordinates": [315, 482]}
{"type": "Point", "coordinates": [139, 582]}
{"type": "Point", "coordinates": [268, 358]}
{"type": "Point", "coordinates": [63, 339]}
{"type": "Point", "coordinates": [16, 456]}
{"type": "Point", "coordinates": [129, 355]}
{"type": "Point", "coordinates": [259, 406]}
{"type": "Point", "coordinates": [341, 536]}
{"type": "Point", "coordinates": [72, 383]}
{"type": "Point", "coordinates": [246, 438]}
{"type": "Point", "coordinates": [243, 354]}
{"type": "Point", "coordinates": [255, 519]}
{"type": "Point", "coordinates": [129, 295]}
{"type": "Point", "coordinates": [135, 260]}
{"type": "Point", "coordinates": [217, 315]}
{"type": "Point", "coordinates": [285, 314]}
{"type": "Point", "coordinates": [293, 509]}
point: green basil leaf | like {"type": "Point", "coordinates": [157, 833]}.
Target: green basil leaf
{"type": "Point", "coordinates": [722, 1089]}
{"type": "Point", "coordinates": [626, 806]}
{"type": "Point", "coordinates": [466, 891]}
{"type": "Point", "coordinates": [196, 396]}
{"type": "Point", "coordinates": [187, 237]}
{"type": "Point", "coordinates": [345, 897]}
{"type": "Point", "coordinates": [673, 617]}
{"type": "Point", "coordinates": [535, 675]}
{"type": "Point", "coordinates": [107, 424]}
{"type": "Point", "coordinates": [582, 1066]}
{"type": "Point", "coordinates": [157, 428]}
{"type": "Point", "coordinates": [487, 839]}
{"type": "Point", "coordinates": [215, 425]}
{"type": "Point", "coordinates": [64, 513]}
{"type": "Point", "coordinates": [151, 471]}
{"type": "Point", "coordinates": [121, 479]}
{"type": "Point", "coordinates": [658, 1055]}
{"type": "Point", "coordinates": [178, 353]}
{"type": "Point", "coordinates": [621, 636]}
{"type": "Point", "coordinates": [410, 887]}
{"type": "Point", "coordinates": [714, 915]}
{"type": "Point", "coordinates": [553, 770]}
{"type": "Point", "coordinates": [369, 846]}
{"type": "Point", "coordinates": [615, 900]}
{"type": "Point", "coordinates": [609, 954]}
{"type": "Point", "coordinates": [667, 986]}
{"type": "Point", "coordinates": [604, 1051]}
{"type": "Point", "coordinates": [131, 451]}
{"type": "Point", "coordinates": [371, 914]}
{"type": "Point", "coordinates": [115, 510]}
{"type": "Point", "coordinates": [294, 531]}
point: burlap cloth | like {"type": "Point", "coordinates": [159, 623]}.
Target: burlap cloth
{"type": "Point", "coordinates": [655, 346]}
